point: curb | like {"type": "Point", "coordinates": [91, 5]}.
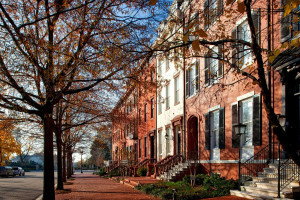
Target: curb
{"type": "Point", "coordinates": [41, 196]}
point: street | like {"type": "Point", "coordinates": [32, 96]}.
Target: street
{"type": "Point", "coordinates": [26, 187]}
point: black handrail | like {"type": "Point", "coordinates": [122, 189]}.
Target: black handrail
{"type": "Point", "coordinates": [255, 164]}
{"type": "Point", "coordinates": [289, 171]}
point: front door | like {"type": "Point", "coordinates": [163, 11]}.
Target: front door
{"type": "Point", "coordinates": [192, 153]}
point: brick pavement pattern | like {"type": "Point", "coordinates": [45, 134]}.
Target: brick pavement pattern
{"type": "Point", "coordinates": [88, 186]}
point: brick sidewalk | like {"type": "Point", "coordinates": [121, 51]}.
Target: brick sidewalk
{"type": "Point", "coordinates": [88, 186]}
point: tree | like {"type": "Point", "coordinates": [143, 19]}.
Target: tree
{"type": "Point", "coordinates": [192, 30]}
{"type": "Point", "coordinates": [8, 144]}
{"type": "Point", "coordinates": [54, 48]}
{"type": "Point", "coordinates": [100, 151]}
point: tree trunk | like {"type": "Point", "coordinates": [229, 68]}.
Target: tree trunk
{"type": "Point", "coordinates": [64, 163]}
{"type": "Point", "coordinates": [60, 185]}
{"type": "Point", "coordinates": [48, 192]}
{"type": "Point", "coordinates": [69, 163]}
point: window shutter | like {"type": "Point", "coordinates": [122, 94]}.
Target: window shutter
{"type": "Point", "coordinates": [256, 121]}
{"type": "Point", "coordinates": [206, 70]}
{"type": "Point", "coordinates": [206, 14]}
{"type": "Point", "coordinates": [256, 21]}
{"type": "Point", "coordinates": [220, 67]}
{"type": "Point", "coordinates": [222, 128]}
{"type": "Point", "coordinates": [220, 7]}
{"type": "Point", "coordinates": [234, 47]}
{"type": "Point", "coordinates": [187, 84]}
{"type": "Point", "coordinates": [207, 132]}
{"type": "Point", "coordinates": [197, 75]}
{"type": "Point", "coordinates": [235, 138]}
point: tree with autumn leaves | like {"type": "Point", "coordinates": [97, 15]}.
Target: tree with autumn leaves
{"type": "Point", "coordinates": [57, 48]}
{"type": "Point", "coordinates": [8, 143]}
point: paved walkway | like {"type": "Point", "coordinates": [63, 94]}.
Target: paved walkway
{"type": "Point", "coordinates": [88, 186]}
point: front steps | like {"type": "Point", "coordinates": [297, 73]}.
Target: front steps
{"type": "Point", "coordinates": [265, 186]}
{"type": "Point", "coordinates": [177, 172]}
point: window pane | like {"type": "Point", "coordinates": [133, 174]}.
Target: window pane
{"type": "Point", "coordinates": [246, 116]}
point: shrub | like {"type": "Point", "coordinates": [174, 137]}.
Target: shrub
{"type": "Point", "coordinates": [208, 186]}
{"type": "Point", "coordinates": [114, 173]}
{"type": "Point", "coordinates": [102, 171]}
{"type": "Point", "coordinates": [142, 171]}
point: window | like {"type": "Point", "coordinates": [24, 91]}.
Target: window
{"type": "Point", "coordinates": [192, 79]}
{"type": "Point", "coordinates": [246, 117]}
{"type": "Point", "coordinates": [145, 147]}
{"type": "Point", "coordinates": [247, 111]}
{"type": "Point", "coordinates": [167, 63]}
{"type": "Point", "coordinates": [178, 139]}
{"type": "Point", "coordinates": [159, 102]}
{"type": "Point", "coordinates": [168, 140]}
{"type": "Point", "coordinates": [214, 129]}
{"type": "Point", "coordinates": [159, 137]}
{"type": "Point", "coordinates": [177, 87]}
{"type": "Point", "coordinates": [213, 66]}
{"type": "Point", "coordinates": [152, 107]}
{"type": "Point", "coordinates": [145, 117]}
{"type": "Point", "coordinates": [159, 67]}
{"type": "Point", "coordinates": [212, 10]}
{"type": "Point", "coordinates": [242, 54]}
{"type": "Point", "coordinates": [140, 148]}
{"type": "Point", "coordinates": [140, 116]}
{"type": "Point", "coordinates": [167, 97]}
{"type": "Point", "coordinates": [152, 76]}
{"type": "Point", "coordinates": [290, 24]}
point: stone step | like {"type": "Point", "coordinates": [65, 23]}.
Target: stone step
{"type": "Point", "coordinates": [249, 195]}
{"type": "Point", "coordinates": [272, 186]}
{"type": "Point", "coordinates": [266, 192]}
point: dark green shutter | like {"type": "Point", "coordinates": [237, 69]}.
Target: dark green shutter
{"type": "Point", "coordinates": [187, 83]}
{"type": "Point", "coordinates": [206, 14]}
{"type": "Point", "coordinates": [206, 70]}
{"type": "Point", "coordinates": [220, 7]}
{"type": "Point", "coordinates": [197, 68]}
{"type": "Point", "coordinates": [222, 128]}
{"type": "Point", "coordinates": [256, 21]}
{"type": "Point", "coordinates": [234, 114]}
{"type": "Point", "coordinates": [256, 121]}
{"type": "Point", "coordinates": [235, 52]}
{"type": "Point", "coordinates": [207, 131]}
{"type": "Point", "coordinates": [220, 55]}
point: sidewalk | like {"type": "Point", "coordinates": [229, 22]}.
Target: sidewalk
{"type": "Point", "coordinates": [88, 186]}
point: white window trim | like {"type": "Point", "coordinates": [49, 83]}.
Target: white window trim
{"type": "Point", "coordinates": [245, 96]}
{"type": "Point", "coordinates": [214, 108]}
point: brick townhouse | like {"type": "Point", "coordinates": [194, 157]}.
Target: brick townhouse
{"type": "Point", "coordinates": [200, 99]}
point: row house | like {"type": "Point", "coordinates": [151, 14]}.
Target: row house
{"type": "Point", "coordinates": [134, 121]}
{"type": "Point", "coordinates": [200, 99]}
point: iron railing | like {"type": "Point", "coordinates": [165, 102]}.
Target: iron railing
{"type": "Point", "coordinates": [166, 164]}
{"type": "Point", "coordinates": [289, 171]}
{"type": "Point", "coordinates": [253, 165]}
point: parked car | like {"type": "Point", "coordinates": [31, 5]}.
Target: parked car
{"type": "Point", "coordinates": [18, 171]}
{"type": "Point", "coordinates": [6, 171]}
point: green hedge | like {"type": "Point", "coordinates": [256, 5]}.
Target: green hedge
{"type": "Point", "coordinates": [206, 187]}
{"type": "Point", "coordinates": [142, 171]}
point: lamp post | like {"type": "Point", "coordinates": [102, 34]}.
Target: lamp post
{"type": "Point", "coordinates": [81, 152]}
{"type": "Point", "coordinates": [239, 130]}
